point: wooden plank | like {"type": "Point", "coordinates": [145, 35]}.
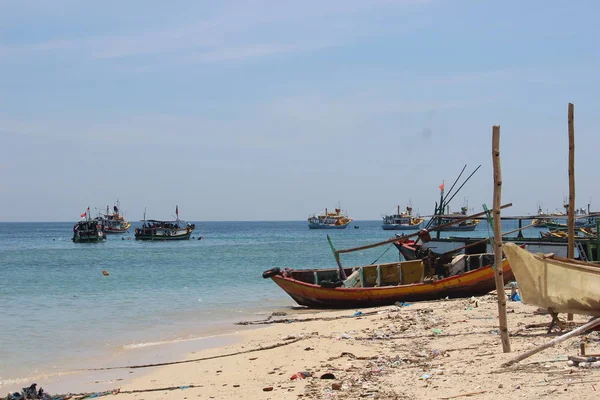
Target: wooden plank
{"type": "Point", "coordinates": [499, 274]}
{"type": "Point", "coordinates": [582, 329]}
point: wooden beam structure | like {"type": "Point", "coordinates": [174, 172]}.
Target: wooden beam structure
{"type": "Point", "coordinates": [498, 240]}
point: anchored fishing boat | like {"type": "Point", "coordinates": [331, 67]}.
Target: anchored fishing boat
{"type": "Point", "coordinates": [153, 229]}
{"type": "Point", "coordinates": [88, 230]}
{"type": "Point", "coordinates": [548, 281]}
{"type": "Point", "coordinates": [402, 220]}
{"type": "Point", "coordinates": [329, 220]}
{"type": "Point", "coordinates": [115, 222]}
{"type": "Point", "coordinates": [448, 219]}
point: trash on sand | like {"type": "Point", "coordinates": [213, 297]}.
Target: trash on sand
{"type": "Point", "coordinates": [402, 304]}
{"type": "Point", "coordinates": [328, 375]}
{"type": "Point", "coordinates": [438, 331]}
{"type": "Point", "coordinates": [346, 336]}
{"type": "Point", "coordinates": [357, 314]}
{"type": "Point", "coordinates": [425, 377]}
{"type": "Point", "coordinates": [300, 375]}
{"type": "Point", "coordinates": [268, 389]}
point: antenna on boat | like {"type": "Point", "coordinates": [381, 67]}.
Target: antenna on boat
{"type": "Point", "coordinates": [144, 214]}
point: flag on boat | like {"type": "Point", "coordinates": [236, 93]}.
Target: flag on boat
{"type": "Point", "coordinates": [83, 215]}
{"type": "Point", "coordinates": [442, 186]}
{"type": "Point", "coordinates": [177, 210]}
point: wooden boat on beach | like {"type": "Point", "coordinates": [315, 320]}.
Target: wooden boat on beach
{"type": "Point", "coordinates": [375, 285]}
{"type": "Point", "coordinates": [547, 281]}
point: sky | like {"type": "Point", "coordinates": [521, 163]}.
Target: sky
{"type": "Point", "coordinates": [274, 110]}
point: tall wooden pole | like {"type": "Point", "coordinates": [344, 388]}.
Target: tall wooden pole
{"type": "Point", "coordinates": [571, 212]}
{"type": "Point", "coordinates": [499, 274]}
{"type": "Point", "coordinates": [571, 216]}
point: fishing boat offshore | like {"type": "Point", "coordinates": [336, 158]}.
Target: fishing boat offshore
{"type": "Point", "coordinates": [329, 220]}
{"type": "Point", "coordinates": [115, 222]}
{"type": "Point", "coordinates": [88, 230]}
{"type": "Point", "coordinates": [401, 220]}
{"type": "Point", "coordinates": [153, 229]}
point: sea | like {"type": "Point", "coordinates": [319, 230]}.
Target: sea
{"type": "Point", "coordinates": [59, 312]}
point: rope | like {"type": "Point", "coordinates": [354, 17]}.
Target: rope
{"type": "Point", "coordinates": [377, 259]}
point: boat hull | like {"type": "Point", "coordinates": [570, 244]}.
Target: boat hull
{"type": "Point", "coordinates": [563, 285]}
{"type": "Point", "coordinates": [89, 239]}
{"type": "Point", "coordinates": [323, 226]}
{"type": "Point", "coordinates": [115, 230]}
{"type": "Point", "coordinates": [473, 283]}
{"type": "Point", "coordinates": [184, 236]}
{"type": "Point", "coordinates": [400, 227]}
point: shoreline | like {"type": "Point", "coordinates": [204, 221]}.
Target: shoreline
{"type": "Point", "coordinates": [423, 350]}
{"type": "Point", "coordinates": [84, 376]}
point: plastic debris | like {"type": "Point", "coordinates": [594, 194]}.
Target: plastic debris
{"type": "Point", "coordinates": [301, 375]}
{"type": "Point", "coordinates": [328, 375]}
{"type": "Point", "coordinates": [438, 331]}
{"type": "Point", "coordinates": [357, 314]}
{"type": "Point", "coordinates": [425, 377]}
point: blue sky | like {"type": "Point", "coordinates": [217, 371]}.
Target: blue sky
{"type": "Point", "coordinates": [272, 110]}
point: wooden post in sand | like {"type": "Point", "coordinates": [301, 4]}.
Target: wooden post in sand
{"type": "Point", "coordinates": [571, 211]}
{"type": "Point", "coordinates": [499, 274]}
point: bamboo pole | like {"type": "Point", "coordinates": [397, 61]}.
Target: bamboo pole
{"type": "Point", "coordinates": [582, 329]}
{"type": "Point", "coordinates": [400, 239]}
{"type": "Point", "coordinates": [499, 275]}
{"type": "Point", "coordinates": [571, 213]}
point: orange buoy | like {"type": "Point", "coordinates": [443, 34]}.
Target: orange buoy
{"type": "Point", "coordinates": [104, 272]}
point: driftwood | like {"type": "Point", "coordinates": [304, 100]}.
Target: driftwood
{"type": "Point", "coordinates": [593, 323]}
{"type": "Point", "coordinates": [464, 395]}
{"type": "Point", "coordinates": [269, 321]}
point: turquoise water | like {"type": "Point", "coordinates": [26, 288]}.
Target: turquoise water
{"type": "Point", "coordinates": [58, 311]}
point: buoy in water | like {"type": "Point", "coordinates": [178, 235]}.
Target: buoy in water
{"type": "Point", "coordinates": [104, 272]}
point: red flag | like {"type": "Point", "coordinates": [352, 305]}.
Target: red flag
{"type": "Point", "coordinates": [442, 186]}
{"type": "Point", "coordinates": [83, 215]}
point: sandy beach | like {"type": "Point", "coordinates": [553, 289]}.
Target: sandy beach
{"type": "Point", "coordinates": [428, 350]}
